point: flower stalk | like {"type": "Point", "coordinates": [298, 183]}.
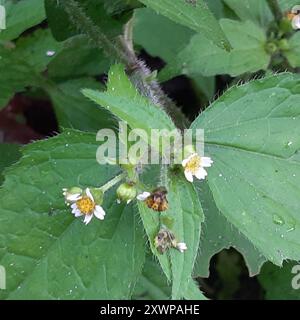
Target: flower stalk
{"type": "Point", "coordinates": [112, 182]}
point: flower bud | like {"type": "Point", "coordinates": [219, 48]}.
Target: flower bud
{"type": "Point", "coordinates": [126, 192]}
{"type": "Point", "coordinates": [97, 195]}
{"type": "Point", "coordinates": [284, 44]}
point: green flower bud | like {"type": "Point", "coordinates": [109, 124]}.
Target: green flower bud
{"type": "Point", "coordinates": [97, 195]}
{"type": "Point", "coordinates": [271, 48]}
{"type": "Point", "coordinates": [126, 192]}
{"type": "Point", "coordinates": [284, 44]}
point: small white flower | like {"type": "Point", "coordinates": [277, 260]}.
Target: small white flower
{"type": "Point", "coordinates": [143, 196]}
{"type": "Point", "coordinates": [84, 205]}
{"type": "Point", "coordinates": [50, 53]}
{"type": "Point", "coordinates": [194, 166]}
{"type": "Point", "coordinates": [296, 22]}
{"type": "Point", "coordinates": [181, 246]}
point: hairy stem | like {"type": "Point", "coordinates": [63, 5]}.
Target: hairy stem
{"type": "Point", "coordinates": [123, 52]}
{"type": "Point", "coordinates": [85, 25]}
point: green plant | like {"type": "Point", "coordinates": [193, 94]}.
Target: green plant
{"type": "Point", "coordinates": [247, 198]}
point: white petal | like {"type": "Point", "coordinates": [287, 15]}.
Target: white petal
{"type": "Point", "coordinates": [128, 201]}
{"type": "Point", "coordinates": [188, 175]}
{"type": "Point", "coordinates": [206, 162]}
{"type": "Point", "coordinates": [88, 193]}
{"type": "Point", "coordinates": [99, 213]}
{"type": "Point", "coordinates": [201, 174]}
{"type": "Point", "coordinates": [73, 197]}
{"type": "Point", "coordinates": [88, 218]}
{"type": "Point", "coordinates": [78, 213]}
{"type": "Point", "coordinates": [118, 201]}
{"type": "Point", "coordinates": [143, 196]}
{"type": "Point", "coordinates": [296, 22]}
{"type": "Point", "coordinates": [100, 209]}
{"type": "Point", "coordinates": [75, 209]}
{"type": "Point", "coordinates": [185, 162]}
{"type": "Point", "coordinates": [181, 246]}
{"type": "Point", "coordinates": [74, 205]}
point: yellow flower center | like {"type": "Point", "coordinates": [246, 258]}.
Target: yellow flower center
{"type": "Point", "coordinates": [85, 205]}
{"type": "Point", "coordinates": [290, 16]}
{"type": "Point", "coordinates": [193, 164]}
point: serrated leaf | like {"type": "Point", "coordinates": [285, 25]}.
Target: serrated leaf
{"type": "Point", "coordinates": [252, 134]}
{"type": "Point", "coordinates": [186, 212]}
{"type": "Point", "coordinates": [20, 16]}
{"type": "Point", "coordinates": [193, 291]}
{"type": "Point", "coordinates": [49, 254]}
{"type": "Point", "coordinates": [293, 53]}
{"type": "Point", "coordinates": [124, 101]}
{"type": "Point", "coordinates": [184, 217]}
{"type": "Point", "coordinates": [151, 223]}
{"type": "Point", "coordinates": [218, 234]}
{"type": "Point", "coordinates": [193, 14]}
{"type": "Point", "coordinates": [277, 282]}
{"type": "Point", "coordinates": [248, 54]}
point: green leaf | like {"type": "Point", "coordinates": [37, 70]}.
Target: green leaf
{"type": "Point", "coordinates": [152, 285]}
{"type": "Point", "coordinates": [183, 218]}
{"type": "Point", "coordinates": [287, 5]}
{"type": "Point", "coordinates": [257, 11]}
{"type": "Point", "coordinates": [124, 101]}
{"type": "Point", "coordinates": [151, 223]}
{"type": "Point", "coordinates": [73, 110]}
{"type": "Point", "coordinates": [21, 64]}
{"type": "Point", "coordinates": [293, 53]}
{"type": "Point", "coordinates": [34, 49]}
{"type": "Point", "coordinates": [78, 58]}
{"type": "Point", "coordinates": [15, 76]}
{"type": "Point", "coordinates": [248, 54]}
{"type": "Point", "coordinates": [49, 254]}
{"type": "Point", "coordinates": [9, 154]}
{"type": "Point", "coordinates": [20, 16]}
{"type": "Point", "coordinates": [148, 24]}
{"type": "Point", "coordinates": [114, 7]}
{"type": "Point", "coordinates": [186, 212]}
{"type": "Point", "coordinates": [197, 17]}
{"type": "Point", "coordinates": [218, 234]}
{"type": "Point", "coordinates": [252, 134]}
{"type": "Point", "coordinates": [277, 282]}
